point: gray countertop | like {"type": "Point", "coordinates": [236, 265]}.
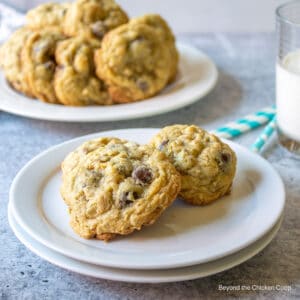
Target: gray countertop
{"type": "Point", "coordinates": [246, 84]}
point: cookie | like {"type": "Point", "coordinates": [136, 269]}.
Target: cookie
{"type": "Point", "coordinates": [11, 61]}
{"type": "Point", "coordinates": [159, 24]}
{"type": "Point", "coordinates": [47, 15]}
{"type": "Point", "coordinates": [39, 63]}
{"type": "Point", "coordinates": [207, 165]}
{"type": "Point", "coordinates": [134, 62]}
{"type": "Point", "coordinates": [93, 18]}
{"type": "Point", "coordinates": [114, 187]}
{"type": "Point", "coordinates": [75, 82]}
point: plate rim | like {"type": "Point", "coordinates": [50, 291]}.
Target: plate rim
{"type": "Point", "coordinates": [13, 191]}
{"type": "Point", "coordinates": [242, 256]}
{"type": "Point", "coordinates": [138, 114]}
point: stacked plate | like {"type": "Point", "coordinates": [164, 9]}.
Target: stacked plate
{"type": "Point", "coordinates": [187, 242]}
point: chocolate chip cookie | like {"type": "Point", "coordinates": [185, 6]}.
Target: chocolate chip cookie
{"type": "Point", "coordinates": [93, 18]}
{"type": "Point", "coordinates": [206, 164]}
{"type": "Point", "coordinates": [75, 81]}
{"type": "Point", "coordinates": [134, 62]}
{"type": "Point", "coordinates": [163, 29]}
{"type": "Point", "coordinates": [113, 187]}
{"type": "Point", "coordinates": [47, 15]}
{"type": "Point", "coordinates": [11, 61]}
{"type": "Point", "coordinates": [39, 63]}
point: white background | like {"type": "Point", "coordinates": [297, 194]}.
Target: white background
{"type": "Point", "coordinates": [200, 15]}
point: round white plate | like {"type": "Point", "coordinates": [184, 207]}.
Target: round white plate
{"type": "Point", "coordinates": [197, 76]}
{"type": "Point", "coordinates": [142, 276]}
{"type": "Point", "coordinates": [184, 235]}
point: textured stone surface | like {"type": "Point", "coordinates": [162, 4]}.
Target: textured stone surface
{"type": "Point", "coordinates": [246, 83]}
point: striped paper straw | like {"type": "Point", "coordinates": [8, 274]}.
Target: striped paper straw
{"type": "Point", "coordinates": [247, 123]}
{"type": "Point", "coordinates": [264, 136]}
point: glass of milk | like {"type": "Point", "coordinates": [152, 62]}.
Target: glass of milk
{"type": "Point", "coordinates": [288, 76]}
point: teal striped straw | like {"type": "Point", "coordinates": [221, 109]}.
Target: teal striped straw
{"type": "Point", "coordinates": [264, 136]}
{"type": "Point", "coordinates": [247, 123]}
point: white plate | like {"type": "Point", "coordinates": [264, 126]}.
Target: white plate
{"type": "Point", "coordinates": [144, 276]}
{"type": "Point", "coordinates": [197, 76]}
{"type": "Point", "coordinates": [183, 236]}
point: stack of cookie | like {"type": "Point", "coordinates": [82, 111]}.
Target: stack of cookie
{"type": "Point", "coordinates": [113, 187]}
{"type": "Point", "coordinates": [89, 53]}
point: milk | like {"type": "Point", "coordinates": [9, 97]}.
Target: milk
{"type": "Point", "coordinates": [288, 95]}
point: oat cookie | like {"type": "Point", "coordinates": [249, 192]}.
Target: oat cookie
{"type": "Point", "coordinates": [39, 63]}
{"type": "Point", "coordinates": [134, 62]}
{"type": "Point", "coordinates": [11, 62]}
{"type": "Point", "coordinates": [93, 18]}
{"type": "Point", "coordinates": [206, 164]}
{"type": "Point", "coordinates": [113, 187]}
{"type": "Point", "coordinates": [75, 81]}
{"type": "Point", "coordinates": [47, 15]}
{"type": "Point", "coordinates": [159, 24]}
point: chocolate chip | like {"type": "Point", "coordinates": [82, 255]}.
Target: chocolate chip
{"type": "Point", "coordinates": [142, 175]}
{"type": "Point", "coordinates": [127, 198]}
{"type": "Point", "coordinates": [142, 85]}
{"type": "Point", "coordinates": [98, 29]}
{"type": "Point", "coordinates": [225, 157]}
{"type": "Point", "coordinates": [124, 201]}
{"type": "Point", "coordinates": [223, 160]}
{"type": "Point", "coordinates": [163, 143]}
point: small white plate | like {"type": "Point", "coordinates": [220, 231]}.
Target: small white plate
{"type": "Point", "coordinates": [197, 76]}
{"type": "Point", "coordinates": [184, 235]}
{"type": "Point", "coordinates": [142, 276]}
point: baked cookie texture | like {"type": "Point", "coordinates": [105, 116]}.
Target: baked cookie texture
{"type": "Point", "coordinates": [75, 81]}
{"type": "Point", "coordinates": [163, 29]}
{"type": "Point", "coordinates": [93, 18]}
{"type": "Point", "coordinates": [47, 15]}
{"type": "Point", "coordinates": [11, 61]}
{"type": "Point", "coordinates": [134, 62]}
{"type": "Point", "coordinates": [39, 63]}
{"type": "Point", "coordinates": [113, 187]}
{"type": "Point", "coordinates": [207, 165]}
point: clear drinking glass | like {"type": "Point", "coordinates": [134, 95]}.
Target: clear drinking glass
{"type": "Point", "coordinates": [288, 75]}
